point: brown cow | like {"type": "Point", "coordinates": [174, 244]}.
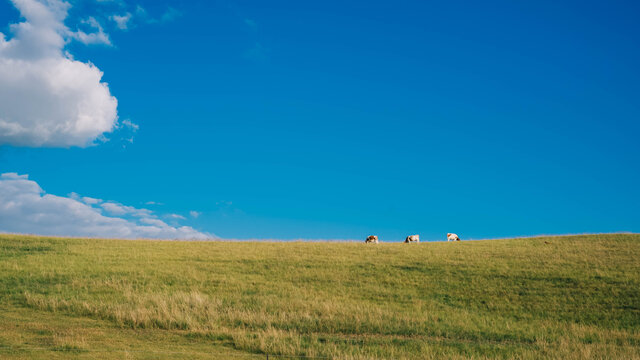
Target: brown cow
{"type": "Point", "coordinates": [452, 237]}
{"type": "Point", "coordinates": [372, 239]}
{"type": "Point", "coordinates": [412, 238]}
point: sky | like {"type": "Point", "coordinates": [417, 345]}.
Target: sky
{"type": "Point", "coordinates": [319, 120]}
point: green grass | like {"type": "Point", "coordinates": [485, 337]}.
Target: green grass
{"type": "Point", "coordinates": [575, 297]}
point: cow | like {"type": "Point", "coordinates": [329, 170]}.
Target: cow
{"type": "Point", "coordinates": [452, 237]}
{"type": "Point", "coordinates": [412, 238]}
{"type": "Point", "coordinates": [372, 239]}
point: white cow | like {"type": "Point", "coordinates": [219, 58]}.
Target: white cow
{"type": "Point", "coordinates": [412, 238]}
{"type": "Point", "coordinates": [452, 237]}
{"type": "Point", "coordinates": [372, 239]}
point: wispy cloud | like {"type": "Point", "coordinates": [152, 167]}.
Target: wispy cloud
{"type": "Point", "coordinates": [127, 17]}
{"type": "Point", "coordinates": [119, 209]}
{"type": "Point", "coordinates": [257, 53]}
{"type": "Point", "coordinates": [170, 14]}
{"type": "Point", "coordinates": [96, 37]}
{"type": "Point", "coordinates": [122, 21]}
{"type": "Point", "coordinates": [250, 23]}
{"type": "Point", "coordinates": [85, 199]}
{"type": "Point", "coordinates": [194, 214]}
{"type": "Point", "coordinates": [90, 201]}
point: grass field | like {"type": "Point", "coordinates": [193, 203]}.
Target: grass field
{"type": "Point", "coordinates": [571, 297]}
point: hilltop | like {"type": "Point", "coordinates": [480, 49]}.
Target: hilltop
{"type": "Point", "coordinates": [567, 297]}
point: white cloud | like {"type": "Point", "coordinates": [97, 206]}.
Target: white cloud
{"type": "Point", "coordinates": [85, 199]}
{"type": "Point", "coordinates": [194, 214]}
{"type": "Point", "coordinates": [127, 123]}
{"type": "Point", "coordinates": [152, 221]}
{"type": "Point", "coordinates": [26, 208]}
{"type": "Point", "coordinates": [46, 97]}
{"type": "Point", "coordinates": [122, 21]}
{"type": "Point", "coordinates": [98, 37]}
{"type": "Point", "coordinates": [138, 15]}
{"type": "Point", "coordinates": [119, 209]}
{"type": "Point", "coordinates": [90, 201]}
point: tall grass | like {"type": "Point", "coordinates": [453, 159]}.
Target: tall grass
{"type": "Point", "coordinates": [561, 297]}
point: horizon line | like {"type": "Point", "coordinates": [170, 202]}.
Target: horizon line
{"type": "Point", "coordinates": [311, 239]}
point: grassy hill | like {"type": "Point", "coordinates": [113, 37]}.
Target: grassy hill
{"type": "Point", "coordinates": [571, 297]}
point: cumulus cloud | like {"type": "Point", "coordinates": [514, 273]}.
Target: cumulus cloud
{"type": "Point", "coordinates": [194, 214]}
{"type": "Point", "coordinates": [26, 208]}
{"type": "Point", "coordinates": [46, 97]}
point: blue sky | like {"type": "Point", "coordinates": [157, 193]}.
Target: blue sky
{"type": "Point", "coordinates": [289, 119]}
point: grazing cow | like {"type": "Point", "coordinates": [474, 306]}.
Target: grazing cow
{"type": "Point", "coordinates": [452, 237]}
{"type": "Point", "coordinates": [412, 238]}
{"type": "Point", "coordinates": [372, 239]}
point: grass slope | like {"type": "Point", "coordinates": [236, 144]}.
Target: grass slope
{"type": "Point", "coordinates": [568, 297]}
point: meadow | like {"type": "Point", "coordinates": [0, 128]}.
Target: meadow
{"type": "Point", "coordinates": [570, 297]}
